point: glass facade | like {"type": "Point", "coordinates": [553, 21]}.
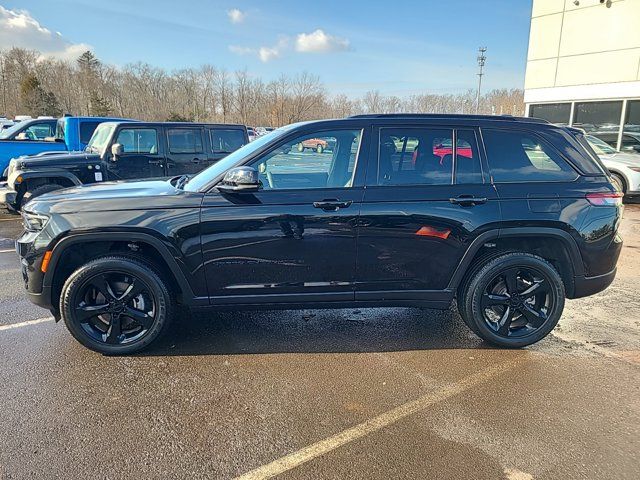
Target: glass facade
{"type": "Point", "coordinates": [559, 113]}
{"type": "Point", "coordinates": [598, 118]}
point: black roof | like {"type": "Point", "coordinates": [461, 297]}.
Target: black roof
{"type": "Point", "coordinates": [452, 116]}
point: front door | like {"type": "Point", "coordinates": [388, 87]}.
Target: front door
{"type": "Point", "coordinates": [295, 239]}
{"type": "Point", "coordinates": [186, 153]}
{"type": "Point", "coordinates": [424, 203]}
{"type": "Point", "coordinates": [140, 158]}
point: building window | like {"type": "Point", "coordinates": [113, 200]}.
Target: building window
{"type": "Point", "coordinates": [631, 131]}
{"type": "Point", "coordinates": [558, 113]}
{"type": "Point", "coordinates": [601, 119]}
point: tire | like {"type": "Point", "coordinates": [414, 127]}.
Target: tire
{"type": "Point", "coordinates": [36, 192]}
{"type": "Point", "coordinates": [319, 148]}
{"type": "Point", "coordinates": [300, 147]}
{"type": "Point", "coordinates": [98, 312]}
{"type": "Point", "coordinates": [618, 182]}
{"type": "Point", "coordinates": [513, 300]}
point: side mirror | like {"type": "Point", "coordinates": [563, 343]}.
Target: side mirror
{"type": "Point", "coordinates": [116, 151]}
{"type": "Point", "coordinates": [240, 179]}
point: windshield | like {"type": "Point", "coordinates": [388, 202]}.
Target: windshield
{"type": "Point", "coordinates": [217, 169]}
{"type": "Point", "coordinates": [100, 138]}
{"type": "Point", "coordinates": [11, 130]}
{"type": "Point", "coordinates": [600, 146]}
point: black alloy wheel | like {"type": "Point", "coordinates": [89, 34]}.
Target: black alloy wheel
{"type": "Point", "coordinates": [116, 305]}
{"type": "Point", "coordinates": [514, 300]}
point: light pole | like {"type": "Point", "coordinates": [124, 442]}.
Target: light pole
{"type": "Point", "coordinates": [481, 60]}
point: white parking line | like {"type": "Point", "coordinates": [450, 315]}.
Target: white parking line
{"type": "Point", "coordinates": [293, 460]}
{"type": "Point", "coordinates": [17, 219]}
{"type": "Point", "coordinates": [8, 250]}
{"type": "Point", "coordinates": [25, 324]}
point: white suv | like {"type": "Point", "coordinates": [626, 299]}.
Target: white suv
{"type": "Point", "coordinates": [624, 167]}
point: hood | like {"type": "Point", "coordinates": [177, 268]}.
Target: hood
{"type": "Point", "coordinates": [62, 159]}
{"type": "Point", "coordinates": [628, 159]}
{"type": "Point", "coordinates": [112, 196]}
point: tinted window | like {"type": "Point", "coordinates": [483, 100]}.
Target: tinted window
{"type": "Point", "coordinates": [86, 131]}
{"type": "Point", "coordinates": [559, 113]}
{"type": "Point", "coordinates": [415, 156]}
{"type": "Point", "coordinates": [520, 157]}
{"type": "Point", "coordinates": [598, 118]}
{"type": "Point", "coordinates": [632, 120]}
{"type": "Point", "coordinates": [321, 160]}
{"type": "Point", "coordinates": [226, 140]}
{"type": "Point", "coordinates": [467, 160]}
{"type": "Point", "coordinates": [630, 141]}
{"type": "Point", "coordinates": [185, 140]}
{"type": "Point", "coordinates": [138, 140]}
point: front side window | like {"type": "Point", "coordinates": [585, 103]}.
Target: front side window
{"type": "Point", "coordinates": [138, 140]}
{"type": "Point", "coordinates": [226, 140]}
{"type": "Point", "coordinates": [185, 140]}
{"type": "Point", "coordinates": [415, 156]}
{"type": "Point", "coordinates": [321, 160]}
{"type": "Point", "coordinates": [38, 131]}
{"type": "Point", "coordinates": [521, 157]}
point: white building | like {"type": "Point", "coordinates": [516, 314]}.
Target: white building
{"type": "Point", "coordinates": [583, 67]}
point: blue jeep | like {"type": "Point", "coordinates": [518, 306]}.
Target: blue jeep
{"type": "Point", "coordinates": [43, 135]}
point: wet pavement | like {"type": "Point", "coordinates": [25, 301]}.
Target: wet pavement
{"type": "Point", "coordinates": [372, 393]}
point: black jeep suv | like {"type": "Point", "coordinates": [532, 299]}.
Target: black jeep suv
{"type": "Point", "coordinates": [123, 151]}
{"type": "Point", "coordinates": [510, 216]}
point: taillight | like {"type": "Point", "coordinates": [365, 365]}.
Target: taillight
{"type": "Point", "coordinates": [605, 198]}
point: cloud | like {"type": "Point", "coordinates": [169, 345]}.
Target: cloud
{"type": "Point", "coordinates": [19, 29]}
{"type": "Point", "coordinates": [236, 16]}
{"type": "Point", "coordinates": [265, 54]}
{"type": "Point", "coordinates": [320, 42]}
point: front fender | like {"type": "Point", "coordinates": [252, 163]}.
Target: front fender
{"type": "Point", "coordinates": [26, 175]}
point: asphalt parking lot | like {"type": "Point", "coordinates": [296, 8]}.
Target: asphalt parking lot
{"type": "Point", "coordinates": [387, 393]}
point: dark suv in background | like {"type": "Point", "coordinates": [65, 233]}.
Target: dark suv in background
{"type": "Point", "coordinates": [518, 215]}
{"type": "Point", "coordinates": [124, 151]}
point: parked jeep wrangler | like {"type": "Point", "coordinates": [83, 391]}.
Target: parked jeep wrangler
{"type": "Point", "coordinates": [124, 151]}
{"type": "Point", "coordinates": [519, 216]}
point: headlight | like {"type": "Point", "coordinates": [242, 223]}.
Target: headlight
{"type": "Point", "coordinates": [34, 222]}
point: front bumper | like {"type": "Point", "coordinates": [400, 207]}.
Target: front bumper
{"type": "Point", "coordinates": [31, 267]}
{"type": "Point", "coordinates": [7, 196]}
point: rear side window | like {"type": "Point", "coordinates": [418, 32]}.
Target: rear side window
{"type": "Point", "coordinates": [86, 130]}
{"type": "Point", "coordinates": [185, 140]}
{"type": "Point", "coordinates": [467, 159]}
{"type": "Point", "coordinates": [522, 157]}
{"type": "Point", "coordinates": [415, 156]}
{"type": "Point", "coordinates": [226, 140]}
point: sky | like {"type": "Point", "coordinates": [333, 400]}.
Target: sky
{"type": "Point", "coordinates": [398, 47]}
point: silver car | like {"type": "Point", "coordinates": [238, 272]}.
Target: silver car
{"type": "Point", "coordinates": [624, 167]}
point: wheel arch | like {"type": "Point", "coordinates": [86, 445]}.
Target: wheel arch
{"type": "Point", "coordinates": [65, 254]}
{"type": "Point", "coordinates": [553, 244]}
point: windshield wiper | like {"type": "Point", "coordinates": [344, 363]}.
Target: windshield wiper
{"type": "Point", "coordinates": [182, 181]}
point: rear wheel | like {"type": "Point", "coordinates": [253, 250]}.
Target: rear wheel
{"type": "Point", "coordinates": [116, 305]}
{"type": "Point", "coordinates": [514, 300]}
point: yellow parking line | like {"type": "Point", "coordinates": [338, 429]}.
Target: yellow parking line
{"type": "Point", "coordinates": [25, 324]}
{"type": "Point", "coordinates": [293, 460]}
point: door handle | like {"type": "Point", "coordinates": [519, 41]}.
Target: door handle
{"type": "Point", "coordinates": [332, 205]}
{"type": "Point", "coordinates": [195, 160]}
{"type": "Point", "coordinates": [155, 162]}
{"type": "Point", "coordinates": [468, 200]}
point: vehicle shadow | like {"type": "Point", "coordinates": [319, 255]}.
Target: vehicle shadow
{"type": "Point", "coordinates": [315, 331]}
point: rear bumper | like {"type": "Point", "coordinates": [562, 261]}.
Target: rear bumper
{"type": "Point", "coordinates": [585, 286]}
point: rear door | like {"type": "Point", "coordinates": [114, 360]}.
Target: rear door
{"type": "Point", "coordinates": [426, 199]}
{"type": "Point", "coordinates": [141, 157]}
{"type": "Point", "coordinates": [186, 150]}
{"type": "Point", "coordinates": [223, 141]}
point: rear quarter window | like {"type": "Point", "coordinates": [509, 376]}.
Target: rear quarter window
{"type": "Point", "coordinates": [516, 156]}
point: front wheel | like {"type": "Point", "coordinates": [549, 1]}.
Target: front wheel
{"type": "Point", "coordinates": [514, 300]}
{"type": "Point", "coordinates": [116, 305]}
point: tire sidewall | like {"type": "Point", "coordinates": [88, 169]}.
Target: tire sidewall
{"type": "Point", "coordinates": [76, 281]}
{"type": "Point", "coordinates": [480, 281]}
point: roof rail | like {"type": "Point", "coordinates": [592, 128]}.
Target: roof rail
{"type": "Point", "coordinates": [504, 118]}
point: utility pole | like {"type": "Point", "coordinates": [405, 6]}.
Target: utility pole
{"type": "Point", "coordinates": [481, 60]}
{"type": "Point", "coordinates": [4, 85]}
